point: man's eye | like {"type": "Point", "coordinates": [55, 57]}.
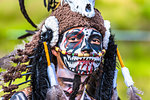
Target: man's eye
{"type": "Point", "coordinates": [95, 41]}
{"type": "Point", "coordinates": [73, 39]}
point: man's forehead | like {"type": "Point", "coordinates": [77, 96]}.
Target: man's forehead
{"type": "Point", "coordinates": [83, 29]}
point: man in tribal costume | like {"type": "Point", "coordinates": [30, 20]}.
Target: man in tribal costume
{"type": "Point", "coordinates": [72, 56]}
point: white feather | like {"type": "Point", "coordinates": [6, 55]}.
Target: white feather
{"type": "Point", "coordinates": [52, 23]}
{"type": "Point", "coordinates": [127, 78]}
{"type": "Point", "coordinates": [107, 34]}
{"type": "Point", "coordinates": [115, 79]}
{"type": "Point", "coordinates": [44, 29]}
{"type": "Point", "coordinates": [52, 75]}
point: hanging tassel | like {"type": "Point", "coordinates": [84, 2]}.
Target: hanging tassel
{"type": "Point", "coordinates": [51, 68]}
{"type": "Point", "coordinates": [128, 81]}
{"type": "Point", "coordinates": [125, 72]}
{"type": "Point", "coordinates": [52, 75]}
{"type": "Point", "coordinates": [132, 93]}
{"type": "Point", "coordinates": [127, 78]}
{"type": "Point", "coordinates": [55, 92]}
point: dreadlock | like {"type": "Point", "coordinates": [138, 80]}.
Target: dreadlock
{"type": "Point", "coordinates": [20, 59]}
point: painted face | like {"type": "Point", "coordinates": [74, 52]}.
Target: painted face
{"type": "Point", "coordinates": [81, 40]}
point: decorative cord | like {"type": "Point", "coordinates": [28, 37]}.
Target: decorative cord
{"type": "Point", "coordinates": [81, 54]}
{"type": "Point", "coordinates": [120, 59]}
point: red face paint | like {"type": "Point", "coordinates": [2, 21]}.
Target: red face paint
{"type": "Point", "coordinates": [91, 68]}
{"type": "Point", "coordinates": [78, 42]}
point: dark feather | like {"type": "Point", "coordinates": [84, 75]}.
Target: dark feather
{"type": "Point", "coordinates": [29, 33]}
{"type": "Point", "coordinates": [24, 12]}
{"type": "Point", "coordinates": [24, 36]}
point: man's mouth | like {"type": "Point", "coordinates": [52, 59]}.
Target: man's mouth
{"type": "Point", "coordinates": [82, 65]}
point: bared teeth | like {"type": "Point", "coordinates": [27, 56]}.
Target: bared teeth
{"type": "Point", "coordinates": [83, 65]}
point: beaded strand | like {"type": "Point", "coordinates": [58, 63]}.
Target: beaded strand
{"type": "Point", "coordinates": [81, 54]}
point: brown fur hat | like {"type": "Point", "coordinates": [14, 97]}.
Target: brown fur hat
{"type": "Point", "coordinates": [68, 19]}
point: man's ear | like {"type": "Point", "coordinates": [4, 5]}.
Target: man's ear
{"type": "Point", "coordinates": [59, 60]}
{"type": "Point", "coordinates": [54, 53]}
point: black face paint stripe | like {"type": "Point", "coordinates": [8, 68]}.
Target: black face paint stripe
{"type": "Point", "coordinates": [65, 38]}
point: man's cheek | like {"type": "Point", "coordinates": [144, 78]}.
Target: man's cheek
{"type": "Point", "coordinates": [72, 46]}
{"type": "Point", "coordinates": [97, 48]}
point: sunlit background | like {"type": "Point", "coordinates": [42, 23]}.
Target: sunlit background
{"type": "Point", "coordinates": [130, 22]}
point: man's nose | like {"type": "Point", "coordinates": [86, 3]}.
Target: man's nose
{"type": "Point", "coordinates": [87, 48]}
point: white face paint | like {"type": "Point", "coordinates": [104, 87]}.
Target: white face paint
{"type": "Point", "coordinates": [81, 40]}
{"type": "Point", "coordinates": [84, 7]}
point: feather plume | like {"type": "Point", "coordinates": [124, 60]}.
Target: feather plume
{"type": "Point", "coordinates": [55, 93]}
{"type": "Point", "coordinates": [29, 33]}
{"type": "Point", "coordinates": [132, 93]}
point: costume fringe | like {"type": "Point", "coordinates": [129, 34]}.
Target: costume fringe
{"type": "Point", "coordinates": [55, 93]}
{"type": "Point", "coordinates": [132, 93]}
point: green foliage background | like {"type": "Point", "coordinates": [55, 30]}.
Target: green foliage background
{"type": "Point", "coordinates": [123, 15]}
